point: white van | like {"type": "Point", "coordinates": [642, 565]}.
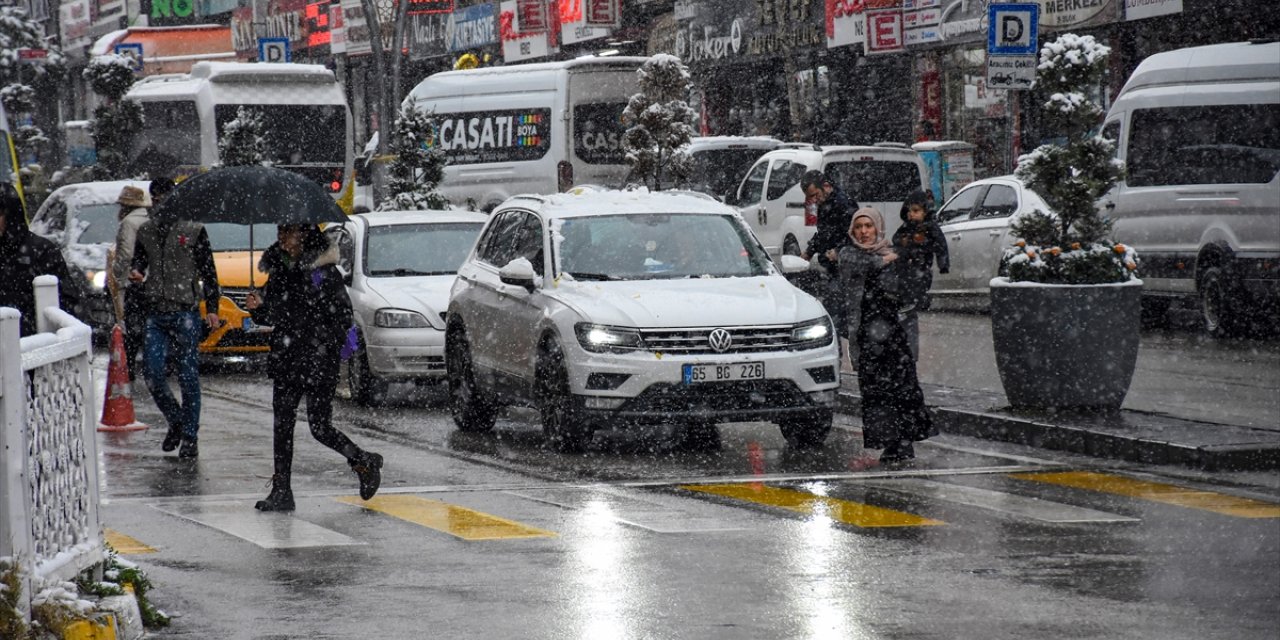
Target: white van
{"type": "Point", "coordinates": [771, 201]}
{"type": "Point", "coordinates": [1199, 132]}
{"type": "Point", "coordinates": [530, 128]}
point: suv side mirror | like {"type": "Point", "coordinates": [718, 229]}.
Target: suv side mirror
{"type": "Point", "coordinates": [794, 264]}
{"type": "Point", "coordinates": [518, 273]}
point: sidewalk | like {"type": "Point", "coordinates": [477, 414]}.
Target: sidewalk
{"type": "Point", "coordinates": [1193, 401]}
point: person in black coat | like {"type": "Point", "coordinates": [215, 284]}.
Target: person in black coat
{"type": "Point", "coordinates": [893, 411]}
{"type": "Point", "coordinates": [835, 213]}
{"type": "Point", "coordinates": [25, 255]}
{"type": "Point", "coordinates": [918, 241]}
{"type": "Point", "coordinates": [305, 301]}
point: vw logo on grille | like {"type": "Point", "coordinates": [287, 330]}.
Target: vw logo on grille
{"type": "Point", "coordinates": [720, 340]}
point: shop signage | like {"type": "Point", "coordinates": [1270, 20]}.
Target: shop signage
{"type": "Point", "coordinates": [358, 42]}
{"type": "Point", "coordinates": [242, 38]}
{"type": "Point", "coordinates": [428, 7]}
{"type": "Point", "coordinates": [531, 16]}
{"type": "Point", "coordinates": [846, 23]}
{"type": "Point", "coordinates": [1011, 72]}
{"type": "Point", "coordinates": [884, 32]}
{"type": "Point", "coordinates": [517, 45]}
{"type": "Point", "coordinates": [473, 28]}
{"type": "Point", "coordinates": [604, 13]}
{"type": "Point", "coordinates": [573, 23]}
{"type": "Point", "coordinates": [1139, 9]}
{"type": "Point", "coordinates": [208, 8]}
{"type": "Point", "coordinates": [317, 23]}
{"type": "Point", "coordinates": [428, 35]}
{"type": "Point", "coordinates": [74, 24]}
{"type": "Point", "coordinates": [493, 136]}
{"type": "Point", "coordinates": [164, 12]}
{"type": "Point", "coordinates": [337, 30]}
{"type": "Point", "coordinates": [274, 50]}
{"type": "Point", "coordinates": [704, 42]}
{"type": "Point", "coordinates": [1070, 13]}
{"type": "Point", "coordinates": [1012, 40]}
{"type": "Point", "coordinates": [106, 16]}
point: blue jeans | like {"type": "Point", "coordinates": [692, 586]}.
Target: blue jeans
{"type": "Point", "coordinates": [180, 332]}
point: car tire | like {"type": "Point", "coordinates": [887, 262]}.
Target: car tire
{"type": "Point", "coordinates": [367, 388]}
{"type": "Point", "coordinates": [701, 435]}
{"type": "Point", "coordinates": [565, 430]}
{"type": "Point", "coordinates": [807, 430]}
{"type": "Point", "coordinates": [1219, 308]}
{"type": "Point", "coordinates": [790, 246]}
{"type": "Point", "coordinates": [473, 410]}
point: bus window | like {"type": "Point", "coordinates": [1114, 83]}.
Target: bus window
{"type": "Point", "coordinates": [296, 134]}
{"type": "Point", "coordinates": [172, 128]}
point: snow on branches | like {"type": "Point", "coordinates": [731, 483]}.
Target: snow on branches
{"type": "Point", "coordinates": [242, 143]}
{"type": "Point", "coordinates": [418, 166]}
{"type": "Point", "coordinates": [110, 76]}
{"type": "Point", "coordinates": [659, 122]}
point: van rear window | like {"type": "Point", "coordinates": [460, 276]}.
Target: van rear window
{"type": "Point", "coordinates": [1226, 144]}
{"type": "Point", "coordinates": [875, 180]}
{"type": "Point", "coordinates": [597, 132]}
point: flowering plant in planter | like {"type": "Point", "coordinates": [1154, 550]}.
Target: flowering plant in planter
{"type": "Point", "coordinates": [1070, 245]}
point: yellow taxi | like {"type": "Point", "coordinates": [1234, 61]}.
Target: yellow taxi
{"type": "Point", "coordinates": [234, 254]}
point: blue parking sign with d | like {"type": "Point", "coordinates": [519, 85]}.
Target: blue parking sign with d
{"type": "Point", "coordinates": [274, 50]}
{"type": "Point", "coordinates": [1012, 29]}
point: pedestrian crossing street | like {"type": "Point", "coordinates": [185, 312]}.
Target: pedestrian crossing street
{"type": "Point", "coordinates": [734, 504]}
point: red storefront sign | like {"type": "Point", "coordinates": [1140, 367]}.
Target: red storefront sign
{"type": "Point", "coordinates": [604, 13]}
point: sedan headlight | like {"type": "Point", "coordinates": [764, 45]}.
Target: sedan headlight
{"type": "Point", "coordinates": [600, 338]}
{"type": "Point", "coordinates": [814, 333]}
{"type": "Point", "coordinates": [399, 319]}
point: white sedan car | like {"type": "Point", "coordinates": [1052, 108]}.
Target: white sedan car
{"type": "Point", "coordinates": [975, 222]}
{"type": "Point", "coordinates": [616, 308]}
{"type": "Point", "coordinates": [400, 266]}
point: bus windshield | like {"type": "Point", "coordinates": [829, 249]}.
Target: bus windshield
{"type": "Point", "coordinates": [296, 134]}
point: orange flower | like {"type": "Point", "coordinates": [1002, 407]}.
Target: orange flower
{"type": "Point", "coordinates": [1120, 248]}
{"type": "Point", "coordinates": [1055, 251]}
{"type": "Point", "coordinates": [1031, 254]}
{"type": "Point", "coordinates": [1021, 243]}
{"type": "Point", "coordinates": [1130, 265]}
{"type": "Point", "coordinates": [1075, 246]}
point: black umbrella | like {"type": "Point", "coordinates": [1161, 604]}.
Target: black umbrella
{"type": "Point", "coordinates": [251, 195]}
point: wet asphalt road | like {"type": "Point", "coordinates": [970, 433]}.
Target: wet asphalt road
{"type": "Point", "coordinates": [639, 538]}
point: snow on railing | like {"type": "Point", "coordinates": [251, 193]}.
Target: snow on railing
{"type": "Point", "coordinates": [49, 523]}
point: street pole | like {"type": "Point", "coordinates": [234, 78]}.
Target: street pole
{"type": "Point", "coordinates": [382, 103]}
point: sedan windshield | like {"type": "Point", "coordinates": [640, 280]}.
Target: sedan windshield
{"type": "Point", "coordinates": [419, 249]}
{"type": "Point", "coordinates": [641, 247]}
{"type": "Point", "coordinates": [97, 223]}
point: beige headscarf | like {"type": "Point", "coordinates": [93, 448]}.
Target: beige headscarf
{"type": "Point", "coordinates": [881, 244]}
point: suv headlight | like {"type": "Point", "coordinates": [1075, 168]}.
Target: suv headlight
{"type": "Point", "coordinates": [600, 338]}
{"type": "Point", "coordinates": [399, 319]}
{"type": "Point", "coordinates": [814, 333]}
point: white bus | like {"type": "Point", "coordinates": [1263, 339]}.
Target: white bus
{"type": "Point", "coordinates": [307, 123]}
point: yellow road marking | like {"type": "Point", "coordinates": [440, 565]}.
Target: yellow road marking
{"type": "Point", "coordinates": [125, 545]}
{"type": "Point", "coordinates": [456, 521]}
{"type": "Point", "coordinates": [1159, 492]}
{"type": "Point", "coordinates": [854, 513]}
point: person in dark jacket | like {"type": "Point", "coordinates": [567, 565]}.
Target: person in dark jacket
{"type": "Point", "coordinates": [25, 255]}
{"type": "Point", "coordinates": [173, 261]}
{"type": "Point", "coordinates": [918, 241]}
{"type": "Point", "coordinates": [306, 303]}
{"type": "Point", "coordinates": [893, 411]}
{"type": "Point", "coordinates": [835, 213]}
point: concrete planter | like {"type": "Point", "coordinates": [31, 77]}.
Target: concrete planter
{"type": "Point", "coordinates": [1065, 346]}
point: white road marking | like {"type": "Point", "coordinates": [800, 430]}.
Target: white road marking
{"type": "Point", "coordinates": [267, 530]}
{"type": "Point", "coordinates": [1013, 504]}
{"type": "Point", "coordinates": [633, 512]}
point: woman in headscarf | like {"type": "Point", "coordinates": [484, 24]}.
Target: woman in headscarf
{"type": "Point", "coordinates": [893, 411]}
{"type": "Point", "coordinates": [307, 306]}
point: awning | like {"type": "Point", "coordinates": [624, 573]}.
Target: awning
{"type": "Point", "coordinates": [172, 49]}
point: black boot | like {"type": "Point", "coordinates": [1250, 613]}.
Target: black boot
{"type": "Point", "coordinates": [280, 498]}
{"type": "Point", "coordinates": [368, 467]}
{"type": "Point", "coordinates": [898, 452]}
{"type": "Point", "coordinates": [171, 439]}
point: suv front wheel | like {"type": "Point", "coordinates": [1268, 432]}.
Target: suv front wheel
{"type": "Point", "coordinates": [472, 410]}
{"type": "Point", "coordinates": [565, 430]}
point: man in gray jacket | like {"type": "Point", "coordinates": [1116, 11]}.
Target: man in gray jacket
{"type": "Point", "coordinates": [128, 301]}
{"type": "Point", "coordinates": [173, 262]}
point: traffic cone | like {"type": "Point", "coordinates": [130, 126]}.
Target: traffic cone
{"type": "Point", "coordinates": [117, 400]}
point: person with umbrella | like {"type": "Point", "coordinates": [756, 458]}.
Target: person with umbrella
{"type": "Point", "coordinates": [173, 263]}
{"type": "Point", "coordinates": [305, 302]}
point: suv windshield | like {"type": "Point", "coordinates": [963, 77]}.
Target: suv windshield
{"type": "Point", "coordinates": [875, 180]}
{"type": "Point", "coordinates": [419, 249]}
{"type": "Point", "coordinates": [653, 246]}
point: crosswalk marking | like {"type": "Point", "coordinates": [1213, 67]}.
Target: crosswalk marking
{"type": "Point", "coordinates": [126, 545]}
{"type": "Point", "coordinates": [1013, 504]}
{"type": "Point", "coordinates": [847, 512]}
{"type": "Point", "coordinates": [460, 522]}
{"type": "Point", "coordinates": [1159, 492]}
{"type": "Point", "coordinates": [631, 512]}
{"type": "Point", "coordinates": [267, 530]}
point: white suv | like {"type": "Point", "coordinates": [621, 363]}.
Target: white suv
{"type": "Point", "coordinates": [771, 201]}
{"type": "Point", "coordinates": [614, 308]}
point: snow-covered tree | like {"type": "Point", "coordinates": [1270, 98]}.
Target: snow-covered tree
{"type": "Point", "coordinates": [241, 143]}
{"type": "Point", "coordinates": [1070, 245]}
{"type": "Point", "coordinates": [659, 122]}
{"type": "Point", "coordinates": [116, 122]}
{"type": "Point", "coordinates": [418, 166]}
{"type": "Point", "coordinates": [20, 81]}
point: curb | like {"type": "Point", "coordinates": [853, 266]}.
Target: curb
{"type": "Point", "coordinates": [1113, 443]}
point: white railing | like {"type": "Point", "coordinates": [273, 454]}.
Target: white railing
{"type": "Point", "coordinates": [49, 522]}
